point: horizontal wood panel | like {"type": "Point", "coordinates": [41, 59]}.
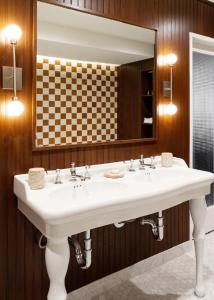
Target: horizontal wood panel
{"type": "Point", "coordinates": [22, 269]}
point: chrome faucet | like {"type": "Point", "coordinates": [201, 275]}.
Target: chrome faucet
{"type": "Point", "coordinates": [152, 166]}
{"type": "Point", "coordinates": [75, 176]}
{"type": "Point", "coordinates": [73, 172]}
{"type": "Point", "coordinates": [58, 178]}
{"type": "Point", "coordinates": [87, 175]}
{"type": "Point", "coordinates": [131, 167]}
{"type": "Point", "coordinates": [143, 164]}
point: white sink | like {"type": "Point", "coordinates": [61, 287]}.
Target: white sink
{"type": "Point", "coordinates": [59, 211]}
{"type": "Point", "coordinates": [165, 175]}
{"type": "Point", "coordinates": [103, 201]}
{"type": "Point", "coordinates": [86, 193]}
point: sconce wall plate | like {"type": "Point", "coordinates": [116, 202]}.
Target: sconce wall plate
{"type": "Point", "coordinates": [166, 89]}
{"type": "Point", "coordinates": [7, 78]}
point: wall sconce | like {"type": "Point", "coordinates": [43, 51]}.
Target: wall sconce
{"type": "Point", "coordinates": [12, 33]}
{"type": "Point", "coordinates": [170, 60]}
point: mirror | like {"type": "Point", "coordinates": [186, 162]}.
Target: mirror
{"type": "Point", "coordinates": [95, 79]}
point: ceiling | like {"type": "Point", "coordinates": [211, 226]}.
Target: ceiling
{"type": "Point", "coordinates": [70, 34]}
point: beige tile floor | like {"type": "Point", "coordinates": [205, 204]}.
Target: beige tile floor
{"type": "Point", "coordinates": [173, 280]}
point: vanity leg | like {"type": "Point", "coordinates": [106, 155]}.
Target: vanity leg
{"type": "Point", "coordinates": [57, 257]}
{"type": "Point", "coordinates": [198, 209]}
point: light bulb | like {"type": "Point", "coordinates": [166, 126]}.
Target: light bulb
{"type": "Point", "coordinates": [171, 59]}
{"type": "Point", "coordinates": [14, 108]}
{"type": "Point", "coordinates": [12, 33]}
{"type": "Point", "coordinates": [161, 60]}
{"type": "Point", "coordinates": [162, 109]}
{"type": "Point", "coordinates": [171, 109]}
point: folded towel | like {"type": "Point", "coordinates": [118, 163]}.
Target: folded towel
{"type": "Point", "coordinates": [148, 120]}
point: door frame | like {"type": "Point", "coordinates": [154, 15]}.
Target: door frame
{"type": "Point", "coordinates": [208, 43]}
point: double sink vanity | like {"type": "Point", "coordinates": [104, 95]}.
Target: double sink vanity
{"type": "Point", "coordinates": [84, 199]}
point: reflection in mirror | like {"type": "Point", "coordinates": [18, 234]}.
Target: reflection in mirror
{"type": "Point", "coordinates": [95, 79]}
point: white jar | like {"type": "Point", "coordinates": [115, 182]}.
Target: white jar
{"type": "Point", "coordinates": [167, 159]}
{"type": "Point", "coordinates": [36, 178]}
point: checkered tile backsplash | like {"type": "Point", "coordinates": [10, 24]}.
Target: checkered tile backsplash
{"type": "Point", "coordinates": [76, 103]}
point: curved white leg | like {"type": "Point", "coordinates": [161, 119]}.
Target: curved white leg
{"type": "Point", "coordinates": [57, 257]}
{"type": "Point", "coordinates": [198, 209]}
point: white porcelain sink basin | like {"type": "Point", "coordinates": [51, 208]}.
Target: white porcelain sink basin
{"type": "Point", "coordinates": [103, 201]}
{"type": "Point", "coordinates": [86, 192]}
{"type": "Point", "coordinates": [164, 175]}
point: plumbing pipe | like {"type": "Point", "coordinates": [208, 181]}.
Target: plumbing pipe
{"type": "Point", "coordinates": [41, 240]}
{"type": "Point", "coordinates": [160, 226]}
{"type": "Point", "coordinates": [87, 250]}
{"type": "Point", "coordinates": [121, 224]}
{"type": "Point", "coordinates": [83, 259]}
{"type": "Point", "coordinates": [157, 228]}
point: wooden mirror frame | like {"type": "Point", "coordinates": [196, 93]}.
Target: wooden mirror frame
{"type": "Point", "coordinates": [89, 145]}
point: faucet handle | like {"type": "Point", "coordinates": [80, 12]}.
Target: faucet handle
{"type": "Point", "coordinates": [141, 167]}
{"type": "Point", "coordinates": [152, 158]}
{"type": "Point", "coordinates": [58, 178]}
{"type": "Point", "coordinates": [87, 173]}
{"type": "Point", "coordinates": [141, 159]}
{"type": "Point", "coordinates": [131, 167]}
{"type": "Point", "coordinates": [73, 172]}
{"type": "Point", "coordinates": [73, 169]}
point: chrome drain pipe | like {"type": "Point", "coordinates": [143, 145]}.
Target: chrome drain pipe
{"type": "Point", "coordinates": [157, 228]}
{"type": "Point", "coordinates": [83, 258]}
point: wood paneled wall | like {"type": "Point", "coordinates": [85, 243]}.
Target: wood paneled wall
{"type": "Point", "coordinates": [22, 269]}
